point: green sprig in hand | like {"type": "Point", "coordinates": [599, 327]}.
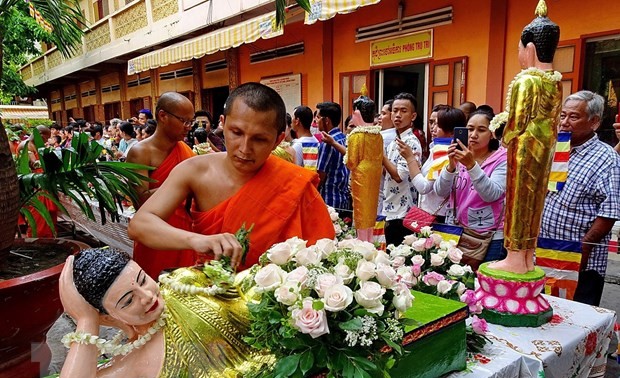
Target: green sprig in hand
{"type": "Point", "coordinates": [243, 237]}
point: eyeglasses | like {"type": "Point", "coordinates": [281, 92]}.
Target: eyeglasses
{"type": "Point", "coordinates": [187, 123]}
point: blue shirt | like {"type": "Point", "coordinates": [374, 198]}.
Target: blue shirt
{"type": "Point", "coordinates": [335, 188]}
{"type": "Point", "coordinates": [592, 190]}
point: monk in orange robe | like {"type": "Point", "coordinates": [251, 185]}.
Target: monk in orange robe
{"type": "Point", "coordinates": [245, 184]}
{"type": "Point", "coordinates": [165, 150]}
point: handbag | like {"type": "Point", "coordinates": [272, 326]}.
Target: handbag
{"type": "Point", "coordinates": [474, 244]}
{"type": "Point", "coordinates": [417, 218]}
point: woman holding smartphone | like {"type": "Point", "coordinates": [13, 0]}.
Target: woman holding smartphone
{"type": "Point", "coordinates": [445, 120]}
{"type": "Point", "coordinates": [475, 180]}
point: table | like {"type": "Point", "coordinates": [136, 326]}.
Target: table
{"type": "Point", "coordinates": [573, 344]}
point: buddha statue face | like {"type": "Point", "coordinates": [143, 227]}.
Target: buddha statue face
{"type": "Point", "coordinates": [134, 297]}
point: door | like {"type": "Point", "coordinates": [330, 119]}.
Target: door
{"type": "Point", "coordinates": [447, 84]}
{"type": "Point", "coordinates": [353, 85]}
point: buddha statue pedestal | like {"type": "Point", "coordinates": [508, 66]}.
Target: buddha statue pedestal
{"type": "Point", "coordinates": [513, 300]}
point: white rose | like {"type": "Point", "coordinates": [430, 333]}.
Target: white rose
{"type": "Point", "coordinates": [401, 250]}
{"type": "Point", "coordinates": [426, 230]}
{"type": "Point", "coordinates": [337, 298]}
{"type": "Point", "coordinates": [325, 281]}
{"type": "Point", "coordinates": [299, 275]}
{"type": "Point", "coordinates": [365, 270]}
{"type": "Point", "coordinates": [409, 239]}
{"type": "Point", "coordinates": [444, 286]}
{"type": "Point", "coordinates": [468, 269]}
{"type": "Point", "coordinates": [366, 249]}
{"type": "Point", "coordinates": [280, 253]}
{"type": "Point", "coordinates": [455, 255]}
{"type": "Point", "coordinates": [343, 271]}
{"type": "Point", "coordinates": [269, 277]}
{"type": "Point", "coordinates": [406, 276]}
{"type": "Point", "coordinates": [337, 229]}
{"type": "Point", "coordinates": [437, 239]}
{"type": "Point", "coordinates": [436, 259]}
{"type": "Point", "coordinates": [418, 260]}
{"type": "Point", "coordinates": [403, 299]}
{"type": "Point", "coordinates": [419, 245]}
{"type": "Point", "coordinates": [461, 289]}
{"type": "Point", "coordinates": [296, 243]}
{"type": "Point", "coordinates": [326, 247]}
{"type": "Point", "coordinates": [456, 270]}
{"type": "Point", "coordinates": [443, 253]}
{"type": "Point", "coordinates": [288, 293]}
{"type": "Point", "coordinates": [386, 275]}
{"type": "Point", "coordinates": [369, 296]}
{"type": "Point", "coordinates": [308, 256]}
{"type": "Point", "coordinates": [382, 258]}
{"type": "Point", "coordinates": [333, 214]}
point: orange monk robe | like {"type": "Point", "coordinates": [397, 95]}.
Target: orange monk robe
{"type": "Point", "coordinates": [281, 201]}
{"type": "Point", "coordinates": [153, 261]}
{"type": "Point", "coordinates": [43, 230]}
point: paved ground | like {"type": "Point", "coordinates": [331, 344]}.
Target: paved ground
{"type": "Point", "coordinates": [610, 300]}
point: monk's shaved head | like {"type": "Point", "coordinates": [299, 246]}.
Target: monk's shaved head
{"type": "Point", "coordinates": [171, 102]}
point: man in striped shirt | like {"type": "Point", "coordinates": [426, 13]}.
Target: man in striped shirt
{"type": "Point", "coordinates": [588, 205]}
{"type": "Point", "coordinates": [306, 146]}
{"type": "Point", "coordinates": [334, 174]}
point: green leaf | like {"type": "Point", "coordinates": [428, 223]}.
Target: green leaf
{"type": "Point", "coordinates": [307, 361]}
{"type": "Point", "coordinates": [318, 305]}
{"type": "Point", "coordinates": [354, 324]}
{"type": "Point", "coordinates": [393, 345]}
{"type": "Point", "coordinates": [287, 365]}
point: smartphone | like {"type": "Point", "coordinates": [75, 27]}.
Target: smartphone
{"type": "Point", "coordinates": [461, 133]}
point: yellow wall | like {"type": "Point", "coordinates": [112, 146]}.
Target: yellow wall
{"type": "Point", "coordinates": [143, 90]}
{"type": "Point", "coordinates": [213, 79]}
{"type": "Point", "coordinates": [309, 64]}
{"type": "Point", "coordinates": [182, 84]}
{"type": "Point", "coordinates": [84, 87]}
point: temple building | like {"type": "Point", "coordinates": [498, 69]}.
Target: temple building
{"type": "Point", "coordinates": [444, 52]}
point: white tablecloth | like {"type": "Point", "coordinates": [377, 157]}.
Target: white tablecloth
{"type": "Point", "coordinates": [573, 344]}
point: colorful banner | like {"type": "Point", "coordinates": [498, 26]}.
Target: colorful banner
{"type": "Point", "coordinates": [560, 260]}
{"type": "Point", "coordinates": [378, 233]}
{"type": "Point", "coordinates": [404, 48]}
{"type": "Point", "coordinates": [448, 231]}
{"type": "Point", "coordinates": [559, 167]}
{"type": "Point", "coordinates": [440, 157]}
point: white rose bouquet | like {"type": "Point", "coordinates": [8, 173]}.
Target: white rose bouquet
{"type": "Point", "coordinates": [333, 308]}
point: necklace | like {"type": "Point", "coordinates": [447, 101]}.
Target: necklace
{"type": "Point", "coordinates": [554, 77]}
{"type": "Point", "coordinates": [114, 347]}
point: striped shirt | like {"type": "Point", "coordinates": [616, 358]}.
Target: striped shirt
{"type": "Point", "coordinates": [592, 190]}
{"type": "Point", "coordinates": [335, 188]}
{"type": "Point", "coordinates": [307, 151]}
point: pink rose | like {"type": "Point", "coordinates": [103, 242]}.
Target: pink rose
{"type": "Point", "coordinates": [398, 261]}
{"type": "Point", "coordinates": [416, 269]}
{"type": "Point", "coordinates": [419, 245]}
{"type": "Point", "coordinates": [310, 321]}
{"type": "Point", "coordinates": [469, 298]}
{"type": "Point", "coordinates": [429, 243]}
{"type": "Point", "coordinates": [432, 278]}
{"type": "Point", "coordinates": [479, 326]}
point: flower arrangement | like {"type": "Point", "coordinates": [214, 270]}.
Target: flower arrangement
{"type": "Point", "coordinates": [332, 307]}
{"type": "Point", "coordinates": [341, 227]}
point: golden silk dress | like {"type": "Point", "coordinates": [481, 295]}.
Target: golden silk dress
{"type": "Point", "coordinates": [531, 131]}
{"type": "Point", "coordinates": [364, 159]}
{"type": "Point", "coordinates": [203, 334]}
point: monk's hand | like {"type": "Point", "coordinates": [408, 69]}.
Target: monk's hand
{"type": "Point", "coordinates": [221, 245]}
{"type": "Point", "coordinates": [73, 302]}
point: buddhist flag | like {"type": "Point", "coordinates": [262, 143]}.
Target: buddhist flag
{"type": "Point", "coordinates": [559, 167]}
{"type": "Point", "coordinates": [440, 157]}
{"type": "Point", "coordinates": [448, 231]}
{"type": "Point", "coordinates": [560, 260]}
{"type": "Point", "coordinates": [378, 232]}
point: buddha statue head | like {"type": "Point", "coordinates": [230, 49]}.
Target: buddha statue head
{"type": "Point", "coordinates": [543, 33]}
{"type": "Point", "coordinates": [366, 107]}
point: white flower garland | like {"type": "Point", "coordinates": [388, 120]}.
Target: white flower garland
{"type": "Point", "coordinates": [555, 77]}
{"type": "Point", "coordinates": [191, 289]}
{"type": "Point", "coordinates": [114, 347]}
{"type": "Point", "coordinates": [498, 120]}
{"type": "Point", "coordinates": [368, 129]}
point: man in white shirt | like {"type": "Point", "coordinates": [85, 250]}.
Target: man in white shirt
{"type": "Point", "coordinates": [399, 194]}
